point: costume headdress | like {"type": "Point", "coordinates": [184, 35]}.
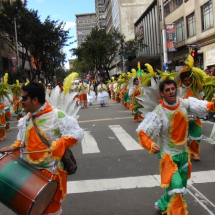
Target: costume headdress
{"type": "Point", "coordinates": [65, 101]}
{"type": "Point", "coordinates": [197, 75]}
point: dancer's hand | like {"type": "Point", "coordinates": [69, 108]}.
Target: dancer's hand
{"type": "Point", "coordinates": [156, 148]}
{"type": "Point", "coordinates": [9, 149]}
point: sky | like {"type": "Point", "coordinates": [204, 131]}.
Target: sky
{"type": "Point", "coordinates": [63, 10]}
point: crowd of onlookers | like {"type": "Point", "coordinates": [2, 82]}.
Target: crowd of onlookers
{"type": "Point", "coordinates": [210, 72]}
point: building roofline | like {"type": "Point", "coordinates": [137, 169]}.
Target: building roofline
{"type": "Point", "coordinates": [84, 14]}
{"type": "Point", "coordinates": [145, 12]}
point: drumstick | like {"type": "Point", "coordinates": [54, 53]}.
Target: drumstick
{"type": "Point", "coordinates": [36, 152]}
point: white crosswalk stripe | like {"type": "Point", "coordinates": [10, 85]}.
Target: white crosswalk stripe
{"type": "Point", "coordinates": [127, 141]}
{"type": "Point", "coordinates": [147, 181]}
{"type": "Point", "coordinates": [89, 144]}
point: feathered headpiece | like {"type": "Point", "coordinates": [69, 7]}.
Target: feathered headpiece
{"type": "Point", "coordinates": [68, 80]}
{"type": "Point", "coordinates": [198, 76]}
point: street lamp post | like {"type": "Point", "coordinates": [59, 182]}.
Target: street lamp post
{"type": "Point", "coordinates": [165, 56]}
{"type": "Point", "coordinates": [17, 51]}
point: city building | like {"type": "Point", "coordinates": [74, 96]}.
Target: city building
{"type": "Point", "coordinates": [100, 14]}
{"type": "Point", "coordinates": [8, 54]}
{"type": "Point", "coordinates": [84, 24]}
{"type": "Point", "coordinates": [121, 15]}
{"type": "Point", "coordinates": [195, 24]}
{"type": "Point", "coordinates": [148, 30]}
{"type": "Point", "coordinates": [71, 61]}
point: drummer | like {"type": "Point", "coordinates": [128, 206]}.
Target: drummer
{"type": "Point", "coordinates": [54, 125]}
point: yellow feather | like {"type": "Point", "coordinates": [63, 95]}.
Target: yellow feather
{"type": "Point", "coordinates": [67, 81]}
{"type": "Point", "coordinates": [150, 69]}
{"type": "Point", "coordinates": [138, 66]}
{"type": "Point", "coordinates": [189, 61]}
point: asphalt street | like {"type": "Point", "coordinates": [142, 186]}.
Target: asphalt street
{"type": "Point", "coordinates": [116, 176]}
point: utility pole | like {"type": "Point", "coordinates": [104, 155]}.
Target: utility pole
{"type": "Point", "coordinates": [165, 56]}
{"type": "Point", "coordinates": [17, 51]}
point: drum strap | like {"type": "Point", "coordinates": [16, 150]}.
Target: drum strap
{"type": "Point", "coordinates": [46, 142]}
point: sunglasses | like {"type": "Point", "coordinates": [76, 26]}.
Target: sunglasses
{"type": "Point", "coordinates": [168, 90]}
{"type": "Point", "coordinates": [24, 98]}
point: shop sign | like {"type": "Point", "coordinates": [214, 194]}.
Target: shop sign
{"type": "Point", "coordinates": [171, 37]}
{"type": "Point", "coordinates": [210, 57]}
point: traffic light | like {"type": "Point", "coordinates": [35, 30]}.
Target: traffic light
{"type": "Point", "coordinates": [193, 52]}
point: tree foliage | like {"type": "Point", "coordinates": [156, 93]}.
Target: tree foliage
{"type": "Point", "coordinates": [100, 48]}
{"type": "Point", "coordinates": [41, 42]}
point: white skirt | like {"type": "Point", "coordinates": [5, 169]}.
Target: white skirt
{"type": "Point", "coordinates": [91, 97]}
{"type": "Point", "coordinates": [102, 97]}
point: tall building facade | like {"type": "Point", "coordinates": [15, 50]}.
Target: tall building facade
{"type": "Point", "coordinates": [121, 15]}
{"type": "Point", "coordinates": [195, 24]}
{"type": "Point", "coordinates": [100, 14]}
{"type": "Point", "coordinates": [84, 24]}
{"type": "Point", "coordinates": [7, 53]}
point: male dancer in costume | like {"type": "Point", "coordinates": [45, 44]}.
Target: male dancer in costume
{"type": "Point", "coordinates": [133, 92]}
{"type": "Point", "coordinates": [195, 126]}
{"type": "Point", "coordinates": [60, 130]}
{"type": "Point", "coordinates": [168, 124]}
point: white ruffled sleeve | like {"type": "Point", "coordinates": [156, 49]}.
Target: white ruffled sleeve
{"type": "Point", "coordinates": [69, 128]}
{"type": "Point", "coordinates": [22, 127]}
{"type": "Point", "coordinates": [151, 125]}
{"type": "Point", "coordinates": [196, 106]}
{"type": "Point", "coordinates": [131, 91]}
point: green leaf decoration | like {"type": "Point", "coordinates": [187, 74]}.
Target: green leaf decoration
{"type": "Point", "coordinates": [171, 145]}
{"type": "Point", "coordinates": [45, 164]}
{"type": "Point", "coordinates": [184, 149]}
{"type": "Point", "coordinates": [61, 114]}
{"type": "Point", "coordinates": [56, 132]}
{"type": "Point", "coordinates": [41, 122]}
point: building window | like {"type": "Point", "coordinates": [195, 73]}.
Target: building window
{"type": "Point", "coordinates": [191, 25]}
{"type": "Point", "coordinates": [207, 16]}
{"type": "Point", "coordinates": [172, 5]}
{"type": "Point", "coordinates": [179, 24]}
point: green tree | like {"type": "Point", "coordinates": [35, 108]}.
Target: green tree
{"type": "Point", "coordinates": [100, 48]}
{"type": "Point", "coordinates": [41, 42]}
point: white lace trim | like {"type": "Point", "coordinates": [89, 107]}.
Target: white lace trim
{"type": "Point", "coordinates": [59, 212]}
{"type": "Point", "coordinates": [40, 109]}
{"type": "Point", "coordinates": [178, 190]}
{"type": "Point", "coordinates": [169, 105]}
{"type": "Point", "coordinates": [156, 206]}
{"type": "Point", "coordinates": [22, 127]}
{"type": "Point", "coordinates": [194, 138]}
{"type": "Point", "coordinates": [69, 127]}
{"type": "Point", "coordinates": [52, 124]}
{"type": "Point", "coordinates": [151, 125]}
{"type": "Point", "coordinates": [198, 107]}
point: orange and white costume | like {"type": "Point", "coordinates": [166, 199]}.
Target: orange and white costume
{"type": "Point", "coordinates": [61, 131]}
{"type": "Point", "coordinates": [167, 125]}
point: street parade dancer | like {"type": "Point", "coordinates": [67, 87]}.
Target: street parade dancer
{"type": "Point", "coordinates": [91, 95]}
{"type": "Point", "coordinates": [102, 96]}
{"type": "Point", "coordinates": [191, 85]}
{"type": "Point", "coordinates": [164, 130]}
{"type": "Point", "coordinates": [133, 92]}
{"type": "Point", "coordinates": [7, 100]}
{"type": "Point", "coordinates": [4, 103]}
{"type": "Point", "coordinates": [17, 105]}
{"type": "Point", "coordinates": [83, 93]}
{"type": "Point", "coordinates": [56, 127]}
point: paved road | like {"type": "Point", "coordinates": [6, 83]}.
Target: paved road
{"type": "Point", "coordinates": [116, 176]}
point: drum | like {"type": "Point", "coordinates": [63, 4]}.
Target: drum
{"type": "Point", "coordinates": [24, 189]}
